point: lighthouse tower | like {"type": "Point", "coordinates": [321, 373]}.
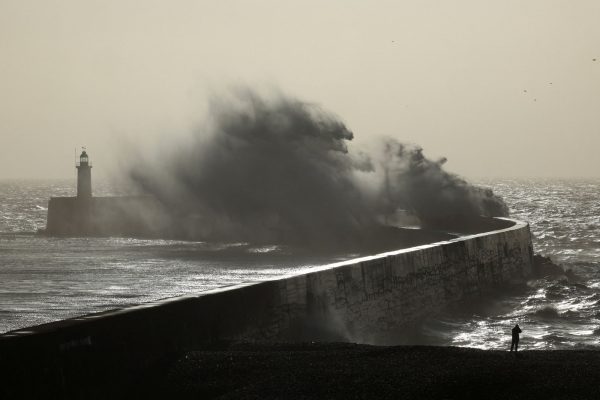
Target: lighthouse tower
{"type": "Point", "coordinates": [84, 176]}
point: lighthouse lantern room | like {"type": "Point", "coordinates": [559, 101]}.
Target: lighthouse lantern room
{"type": "Point", "coordinates": [84, 176]}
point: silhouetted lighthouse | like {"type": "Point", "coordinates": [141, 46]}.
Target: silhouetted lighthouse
{"type": "Point", "coordinates": [86, 215]}
{"type": "Point", "coordinates": [84, 176]}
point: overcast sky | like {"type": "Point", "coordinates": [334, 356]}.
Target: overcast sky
{"type": "Point", "coordinates": [502, 88]}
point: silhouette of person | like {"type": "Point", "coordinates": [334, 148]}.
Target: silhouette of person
{"type": "Point", "coordinates": [515, 337]}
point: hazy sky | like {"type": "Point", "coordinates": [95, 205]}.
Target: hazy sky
{"type": "Point", "coordinates": [501, 88]}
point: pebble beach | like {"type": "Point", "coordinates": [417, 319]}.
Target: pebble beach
{"type": "Point", "coordinates": [350, 371]}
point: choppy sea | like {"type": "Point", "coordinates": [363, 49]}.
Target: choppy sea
{"type": "Point", "coordinates": [564, 217]}
{"type": "Point", "coordinates": [43, 279]}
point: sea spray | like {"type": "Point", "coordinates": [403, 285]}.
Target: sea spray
{"type": "Point", "coordinates": [278, 169]}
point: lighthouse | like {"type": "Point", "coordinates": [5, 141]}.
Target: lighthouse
{"type": "Point", "coordinates": [84, 176]}
{"type": "Point", "coordinates": [86, 215]}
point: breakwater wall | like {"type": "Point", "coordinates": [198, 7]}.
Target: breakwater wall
{"type": "Point", "coordinates": [364, 300]}
{"type": "Point", "coordinates": [105, 216]}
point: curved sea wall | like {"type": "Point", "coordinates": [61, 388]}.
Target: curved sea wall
{"type": "Point", "coordinates": [362, 300]}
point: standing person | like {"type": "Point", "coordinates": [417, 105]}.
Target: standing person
{"type": "Point", "coordinates": [515, 337]}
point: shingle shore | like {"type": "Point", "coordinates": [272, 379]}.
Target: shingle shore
{"type": "Point", "coordinates": [349, 371]}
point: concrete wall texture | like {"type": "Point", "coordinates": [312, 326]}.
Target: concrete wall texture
{"type": "Point", "coordinates": [367, 300]}
{"type": "Point", "coordinates": [363, 300]}
{"type": "Point", "coordinates": [104, 216]}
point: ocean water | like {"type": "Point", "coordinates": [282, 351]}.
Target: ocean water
{"type": "Point", "coordinates": [564, 217]}
{"type": "Point", "coordinates": [43, 279]}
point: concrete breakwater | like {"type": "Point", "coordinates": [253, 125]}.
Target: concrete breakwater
{"type": "Point", "coordinates": [362, 300]}
{"type": "Point", "coordinates": [105, 216]}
